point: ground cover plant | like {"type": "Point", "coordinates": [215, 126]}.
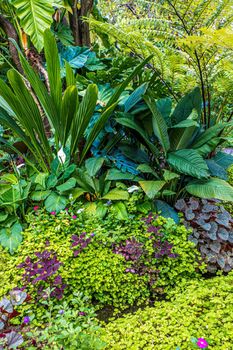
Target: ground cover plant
{"type": "Point", "coordinates": [172, 325]}
{"type": "Point", "coordinates": [116, 188]}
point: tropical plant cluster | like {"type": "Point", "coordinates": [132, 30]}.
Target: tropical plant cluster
{"type": "Point", "coordinates": [116, 174]}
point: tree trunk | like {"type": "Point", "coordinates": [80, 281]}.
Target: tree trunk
{"type": "Point", "coordinates": [80, 29]}
{"type": "Point", "coordinates": [11, 33]}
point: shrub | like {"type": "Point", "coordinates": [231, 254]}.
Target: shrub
{"type": "Point", "coordinates": [212, 231]}
{"type": "Point", "coordinates": [87, 248]}
{"type": "Point", "coordinates": [203, 311]}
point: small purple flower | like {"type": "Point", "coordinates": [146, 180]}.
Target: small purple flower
{"type": "Point", "coordinates": [61, 312]}
{"type": "Point", "coordinates": [202, 343]}
{"type": "Point", "coordinates": [92, 234]}
{"type": "Point", "coordinates": [81, 313]}
{"type": "Point", "coordinates": [53, 213]}
{"type": "Point", "coordinates": [74, 217]}
{"type": "Point", "coordinates": [26, 320]}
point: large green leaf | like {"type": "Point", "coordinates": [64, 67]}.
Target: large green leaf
{"type": "Point", "coordinates": [207, 136]}
{"type": "Point", "coordinates": [35, 17]}
{"type": "Point", "coordinates": [120, 211]}
{"type": "Point", "coordinates": [40, 195]}
{"type": "Point", "coordinates": [116, 175]}
{"type": "Point", "coordinates": [151, 188]}
{"type": "Point", "coordinates": [186, 105]}
{"type": "Point", "coordinates": [182, 133]}
{"type": "Point", "coordinates": [116, 195]}
{"type": "Point", "coordinates": [189, 162]}
{"type": "Point", "coordinates": [223, 159]}
{"type": "Point", "coordinates": [159, 124]}
{"type": "Point", "coordinates": [83, 116]}
{"type": "Point", "coordinates": [55, 202]}
{"type": "Point", "coordinates": [54, 70]}
{"type": "Point", "coordinates": [68, 185]}
{"type": "Point", "coordinates": [216, 169]}
{"type": "Point", "coordinates": [164, 105]}
{"type": "Point", "coordinates": [212, 188]}
{"type": "Point", "coordinates": [93, 165]}
{"type": "Point", "coordinates": [166, 210]}
{"type": "Point", "coordinates": [9, 178]}
{"type": "Point", "coordinates": [135, 97]}
{"type": "Point", "coordinates": [12, 237]}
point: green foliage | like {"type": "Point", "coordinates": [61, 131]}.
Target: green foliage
{"type": "Point", "coordinates": [191, 43]}
{"type": "Point", "coordinates": [97, 271]}
{"type": "Point", "coordinates": [71, 325]}
{"type": "Point", "coordinates": [14, 193]}
{"type": "Point", "coordinates": [68, 117]}
{"type": "Point", "coordinates": [204, 310]}
{"type": "Point", "coordinates": [186, 147]}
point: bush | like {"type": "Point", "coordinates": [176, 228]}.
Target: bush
{"type": "Point", "coordinates": [203, 311]}
{"type": "Point", "coordinates": [98, 258]}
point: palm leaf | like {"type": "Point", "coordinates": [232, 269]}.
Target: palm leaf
{"type": "Point", "coordinates": [85, 112]}
{"type": "Point", "coordinates": [70, 77]}
{"type": "Point", "coordinates": [54, 69]}
{"type": "Point", "coordinates": [68, 111]}
{"type": "Point", "coordinates": [39, 88]}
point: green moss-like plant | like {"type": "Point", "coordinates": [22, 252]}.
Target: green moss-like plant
{"type": "Point", "coordinates": [203, 311]}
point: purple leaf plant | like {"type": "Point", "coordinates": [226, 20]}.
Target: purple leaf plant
{"type": "Point", "coordinates": [212, 228]}
{"type": "Point", "coordinates": [42, 272]}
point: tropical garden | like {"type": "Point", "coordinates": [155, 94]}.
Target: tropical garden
{"type": "Point", "coordinates": [116, 174]}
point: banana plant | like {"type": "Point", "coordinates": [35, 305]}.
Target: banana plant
{"type": "Point", "coordinates": [25, 103]}
{"type": "Point", "coordinates": [185, 149]}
